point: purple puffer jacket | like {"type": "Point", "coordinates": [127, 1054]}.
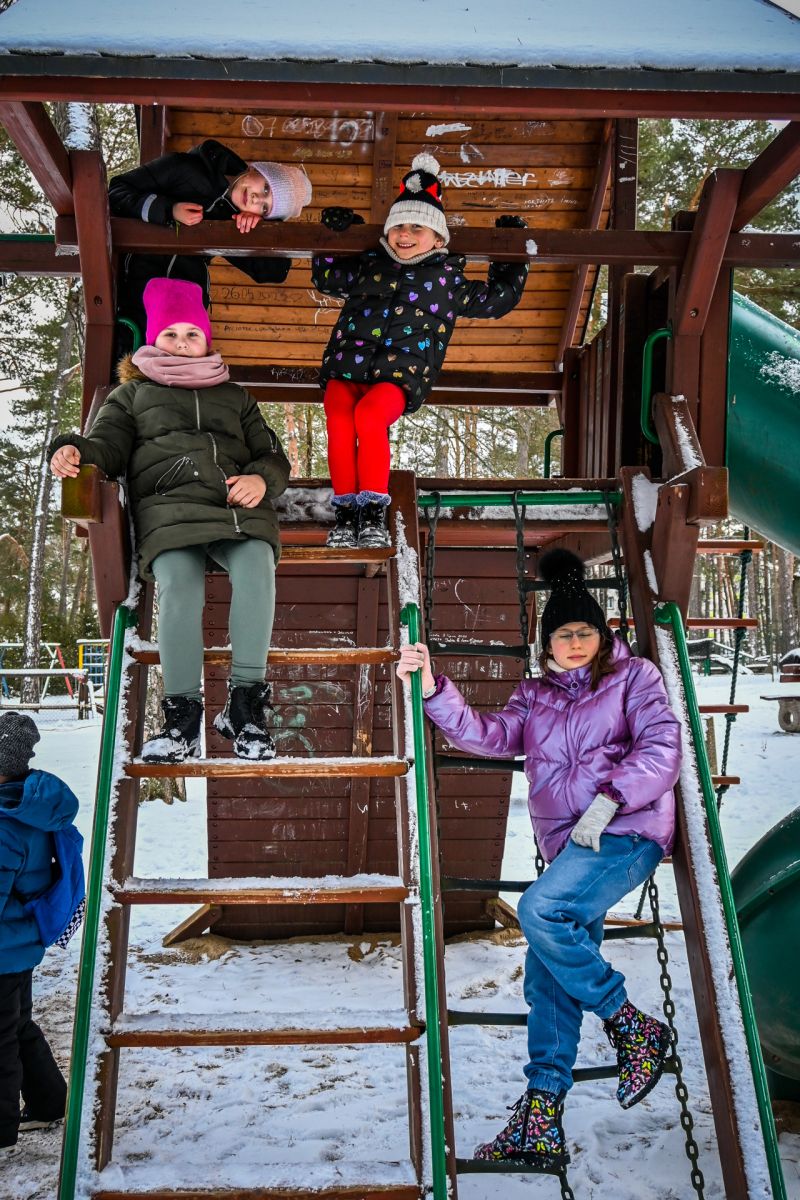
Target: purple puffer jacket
{"type": "Point", "coordinates": [623, 739]}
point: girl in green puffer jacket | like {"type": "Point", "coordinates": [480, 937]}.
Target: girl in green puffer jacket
{"type": "Point", "coordinates": [202, 470]}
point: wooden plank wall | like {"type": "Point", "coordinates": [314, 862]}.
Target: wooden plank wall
{"type": "Point", "coordinates": [306, 827]}
{"type": "Point", "coordinates": [542, 170]}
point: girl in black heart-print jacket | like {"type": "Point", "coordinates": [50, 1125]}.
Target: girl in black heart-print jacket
{"type": "Point", "coordinates": [402, 301]}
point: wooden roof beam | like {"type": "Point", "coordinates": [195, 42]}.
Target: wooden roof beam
{"type": "Point", "coordinates": [688, 94]}
{"type": "Point", "coordinates": [35, 137]}
{"type": "Point", "coordinates": [24, 255]}
{"type": "Point", "coordinates": [707, 248]}
{"type": "Point", "coordinates": [570, 246]}
{"type": "Point", "coordinates": [593, 216]}
{"type": "Point", "coordinates": [767, 176]}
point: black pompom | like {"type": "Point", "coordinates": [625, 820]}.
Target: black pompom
{"type": "Point", "coordinates": [558, 566]}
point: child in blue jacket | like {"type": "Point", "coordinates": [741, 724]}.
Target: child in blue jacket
{"type": "Point", "coordinates": [32, 805]}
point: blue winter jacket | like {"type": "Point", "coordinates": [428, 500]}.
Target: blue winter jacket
{"type": "Point", "coordinates": [30, 808]}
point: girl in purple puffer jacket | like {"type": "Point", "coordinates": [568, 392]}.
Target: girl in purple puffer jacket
{"type": "Point", "coordinates": [602, 753]}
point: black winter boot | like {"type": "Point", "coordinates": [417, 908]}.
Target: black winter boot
{"type": "Point", "coordinates": [180, 737]}
{"type": "Point", "coordinates": [534, 1134]}
{"type": "Point", "coordinates": [344, 535]}
{"type": "Point", "coordinates": [641, 1043]}
{"type": "Point", "coordinates": [244, 718]}
{"type": "Point", "coordinates": [372, 531]}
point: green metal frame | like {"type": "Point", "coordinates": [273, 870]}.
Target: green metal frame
{"type": "Point", "coordinates": [669, 615]}
{"type": "Point", "coordinates": [647, 380]}
{"type": "Point", "coordinates": [410, 617]}
{"type": "Point", "coordinates": [135, 330]}
{"type": "Point", "coordinates": [548, 450]}
{"type": "Point", "coordinates": [507, 499]}
{"type": "Point", "coordinates": [124, 619]}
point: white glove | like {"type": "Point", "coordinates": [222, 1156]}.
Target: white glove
{"type": "Point", "coordinates": [588, 829]}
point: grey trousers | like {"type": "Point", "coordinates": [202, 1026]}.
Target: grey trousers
{"type": "Point", "coordinates": [180, 575]}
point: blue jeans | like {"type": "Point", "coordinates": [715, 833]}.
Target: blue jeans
{"type": "Point", "coordinates": [561, 915]}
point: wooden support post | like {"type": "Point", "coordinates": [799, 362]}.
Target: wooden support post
{"type": "Point", "coordinates": [33, 133]}
{"type": "Point", "coordinates": [674, 545]}
{"type": "Point", "coordinates": [712, 416]}
{"type": "Point", "coordinates": [593, 217]}
{"type": "Point", "coordinates": [92, 223]}
{"type": "Point", "coordinates": [363, 713]}
{"type": "Point", "coordinates": [153, 131]}
{"type": "Point", "coordinates": [711, 231]}
{"type": "Point", "coordinates": [385, 140]}
{"type": "Point", "coordinates": [624, 183]}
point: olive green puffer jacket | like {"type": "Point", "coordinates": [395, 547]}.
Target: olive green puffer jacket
{"type": "Point", "coordinates": [177, 446]}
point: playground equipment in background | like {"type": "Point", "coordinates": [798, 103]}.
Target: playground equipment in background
{"type": "Point", "coordinates": [93, 658]}
{"type": "Point", "coordinates": [53, 656]}
{"type": "Point", "coordinates": [82, 694]}
{"type": "Point", "coordinates": [766, 888]}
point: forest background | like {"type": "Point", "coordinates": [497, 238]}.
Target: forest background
{"type": "Point", "coordinates": [46, 577]}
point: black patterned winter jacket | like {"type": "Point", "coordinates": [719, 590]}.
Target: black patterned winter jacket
{"type": "Point", "coordinates": [398, 318]}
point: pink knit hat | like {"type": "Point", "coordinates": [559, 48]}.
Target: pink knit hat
{"type": "Point", "coordinates": [168, 301]}
{"type": "Point", "coordinates": [290, 187]}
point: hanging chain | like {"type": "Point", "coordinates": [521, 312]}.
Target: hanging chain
{"type": "Point", "coordinates": [432, 515]}
{"type": "Point", "coordinates": [745, 558]}
{"type": "Point", "coordinates": [566, 1191]}
{"type": "Point", "coordinates": [522, 591]}
{"type": "Point", "coordinates": [616, 557]}
{"type": "Point", "coordinates": [681, 1091]}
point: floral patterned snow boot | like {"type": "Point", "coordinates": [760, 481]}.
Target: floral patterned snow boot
{"type": "Point", "coordinates": [534, 1134]}
{"type": "Point", "coordinates": [641, 1043]}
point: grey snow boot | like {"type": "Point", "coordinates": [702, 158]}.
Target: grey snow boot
{"type": "Point", "coordinates": [179, 738]}
{"type": "Point", "coordinates": [244, 718]}
{"type": "Point", "coordinates": [344, 535]}
{"type": "Point", "coordinates": [372, 531]}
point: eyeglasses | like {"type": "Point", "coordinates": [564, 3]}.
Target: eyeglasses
{"type": "Point", "coordinates": [583, 635]}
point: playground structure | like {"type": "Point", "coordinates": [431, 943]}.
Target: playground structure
{"type": "Point", "coordinates": [654, 421]}
{"type": "Point", "coordinates": [81, 685]}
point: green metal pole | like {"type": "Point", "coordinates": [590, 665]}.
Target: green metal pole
{"type": "Point", "coordinates": [506, 499]}
{"type": "Point", "coordinates": [124, 619]}
{"type": "Point", "coordinates": [410, 617]}
{"type": "Point", "coordinates": [669, 614]}
{"type": "Point", "coordinates": [548, 449]}
{"type": "Point", "coordinates": [134, 328]}
{"type": "Point", "coordinates": [10, 238]}
{"type": "Point", "coordinates": [647, 380]}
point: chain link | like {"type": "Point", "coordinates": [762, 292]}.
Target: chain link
{"type": "Point", "coordinates": [616, 557]}
{"type": "Point", "coordinates": [522, 591]}
{"type": "Point", "coordinates": [745, 558]}
{"type": "Point", "coordinates": [681, 1091]}
{"type": "Point", "coordinates": [566, 1191]}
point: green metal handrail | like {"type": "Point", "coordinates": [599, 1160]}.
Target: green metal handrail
{"type": "Point", "coordinates": [27, 237]}
{"type": "Point", "coordinates": [124, 619]}
{"type": "Point", "coordinates": [548, 449]}
{"type": "Point", "coordinates": [647, 380]}
{"type": "Point", "coordinates": [506, 499]}
{"type": "Point", "coordinates": [410, 617]}
{"type": "Point", "coordinates": [669, 614]}
{"type": "Point", "coordinates": [135, 330]}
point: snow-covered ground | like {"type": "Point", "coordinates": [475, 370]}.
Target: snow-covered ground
{"type": "Point", "coordinates": [265, 1115]}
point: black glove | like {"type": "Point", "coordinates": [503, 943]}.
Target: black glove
{"type": "Point", "coordinates": [509, 221]}
{"type": "Point", "coordinates": [340, 219]}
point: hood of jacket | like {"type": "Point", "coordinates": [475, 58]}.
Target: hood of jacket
{"type": "Point", "coordinates": [127, 370]}
{"type": "Point", "coordinates": [40, 800]}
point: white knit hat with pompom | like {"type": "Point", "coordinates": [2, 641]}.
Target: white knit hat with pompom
{"type": "Point", "coordinates": [420, 199]}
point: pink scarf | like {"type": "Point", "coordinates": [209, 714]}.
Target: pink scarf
{"type": "Point", "coordinates": [174, 371]}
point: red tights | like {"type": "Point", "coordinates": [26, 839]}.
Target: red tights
{"type": "Point", "coordinates": [358, 417]}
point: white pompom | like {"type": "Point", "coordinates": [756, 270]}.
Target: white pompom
{"type": "Point", "coordinates": [426, 162]}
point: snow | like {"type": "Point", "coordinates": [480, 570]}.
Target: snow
{"type": "Point", "coordinates": [689, 455]}
{"type": "Point", "coordinates": [271, 1115]}
{"type": "Point", "coordinates": [80, 135]}
{"type": "Point", "coordinates": [780, 368]}
{"type": "Point", "coordinates": [531, 248]}
{"type": "Point", "coordinates": [645, 501]}
{"type": "Point", "coordinates": [305, 504]}
{"type": "Point", "coordinates": [723, 35]}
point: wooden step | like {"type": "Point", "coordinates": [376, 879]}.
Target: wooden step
{"type": "Point", "coordinates": [347, 656]}
{"type": "Point", "coordinates": [725, 780]}
{"type": "Point", "coordinates": [325, 889]}
{"type": "Point", "coordinates": [727, 546]}
{"type": "Point", "coordinates": [319, 555]}
{"type": "Point", "coordinates": [361, 1191]}
{"type": "Point", "coordinates": [372, 767]}
{"type": "Point", "coordinates": [252, 1029]}
{"type": "Point", "coordinates": [724, 708]}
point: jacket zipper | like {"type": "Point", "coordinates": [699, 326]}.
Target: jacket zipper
{"type": "Point", "coordinates": [213, 441]}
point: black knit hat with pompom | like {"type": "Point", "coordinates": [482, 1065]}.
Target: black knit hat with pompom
{"type": "Point", "coordinates": [570, 599]}
{"type": "Point", "coordinates": [420, 199]}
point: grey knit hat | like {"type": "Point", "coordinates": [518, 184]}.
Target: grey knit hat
{"type": "Point", "coordinates": [290, 187]}
{"type": "Point", "coordinates": [18, 736]}
{"type": "Point", "coordinates": [420, 199]}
